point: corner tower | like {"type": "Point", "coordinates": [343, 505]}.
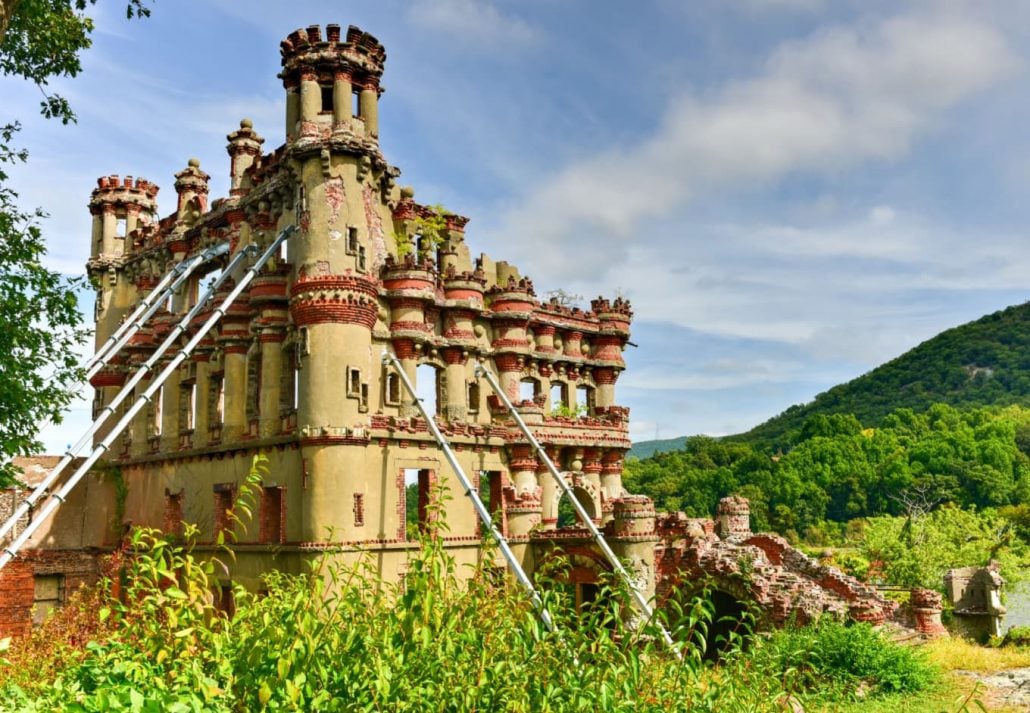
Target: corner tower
{"type": "Point", "coordinates": [119, 206]}
{"type": "Point", "coordinates": [342, 183]}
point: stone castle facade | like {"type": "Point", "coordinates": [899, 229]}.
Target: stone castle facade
{"type": "Point", "coordinates": [294, 371]}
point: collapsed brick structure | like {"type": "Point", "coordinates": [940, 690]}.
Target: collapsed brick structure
{"type": "Point", "coordinates": [293, 371]}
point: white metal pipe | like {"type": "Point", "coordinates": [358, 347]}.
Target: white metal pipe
{"type": "Point", "coordinates": [477, 502]}
{"type": "Point", "coordinates": [638, 596]}
{"type": "Point", "coordinates": [150, 304]}
{"type": "Point", "coordinates": [51, 477]}
{"type": "Point", "coordinates": [61, 495]}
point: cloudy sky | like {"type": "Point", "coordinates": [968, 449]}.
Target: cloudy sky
{"type": "Point", "coordinates": [790, 192]}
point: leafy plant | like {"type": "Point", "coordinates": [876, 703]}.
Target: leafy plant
{"type": "Point", "coordinates": [430, 228]}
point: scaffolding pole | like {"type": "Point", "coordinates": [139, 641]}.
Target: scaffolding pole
{"type": "Point", "coordinates": [40, 490]}
{"type": "Point", "coordinates": [477, 502]}
{"type": "Point", "coordinates": [148, 305]}
{"type": "Point", "coordinates": [55, 500]}
{"type": "Point", "coordinates": [584, 516]}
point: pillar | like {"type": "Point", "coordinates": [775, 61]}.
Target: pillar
{"type": "Point", "coordinates": [342, 100]}
{"type": "Point", "coordinates": [368, 105]}
{"type": "Point", "coordinates": [270, 422]}
{"type": "Point", "coordinates": [455, 406]}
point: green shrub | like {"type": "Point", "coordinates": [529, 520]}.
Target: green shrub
{"type": "Point", "coordinates": [1017, 636]}
{"type": "Point", "coordinates": [850, 658]}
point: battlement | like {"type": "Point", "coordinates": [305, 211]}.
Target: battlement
{"type": "Point", "coordinates": [114, 189]}
{"type": "Point", "coordinates": [360, 54]}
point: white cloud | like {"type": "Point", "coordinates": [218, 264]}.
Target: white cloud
{"type": "Point", "coordinates": [477, 23]}
{"type": "Point", "coordinates": [843, 96]}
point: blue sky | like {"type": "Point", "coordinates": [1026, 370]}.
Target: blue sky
{"type": "Point", "coordinates": [790, 192]}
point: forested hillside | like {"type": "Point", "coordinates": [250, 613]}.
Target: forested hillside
{"type": "Point", "coordinates": [834, 469]}
{"type": "Point", "coordinates": [981, 363]}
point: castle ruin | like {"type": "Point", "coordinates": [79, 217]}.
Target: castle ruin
{"type": "Point", "coordinates": [293, 371]}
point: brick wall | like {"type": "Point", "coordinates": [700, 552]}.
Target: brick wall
{"type": "Point", "coordinates": [18, 585]}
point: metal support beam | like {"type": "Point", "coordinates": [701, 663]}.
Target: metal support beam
{"type": "Point", "coordinates": [55, 500]}
{"type": "Point", "coordinates": [40, 490]}
{"type": "Point", "coordinates": [148, 305]}
{"type": "Point", "coordinates": [477, 502]}
{"type": "Point", "coordinates": [620, 569]}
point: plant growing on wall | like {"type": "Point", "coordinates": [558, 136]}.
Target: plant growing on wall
{"type": "Point", "coordinates": [430, 229]}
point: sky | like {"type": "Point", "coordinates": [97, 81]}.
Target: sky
{"type": "Point", "coordinates": [789, 192]}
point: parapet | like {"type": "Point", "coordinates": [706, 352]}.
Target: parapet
{"type": "Point", "coordinates": [361, 55]}
{"type": "Point", "coordinates": [115, 190]}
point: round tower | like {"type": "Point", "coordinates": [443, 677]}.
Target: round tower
{"type": "Point", "coordinates": [332, 91]}
{"type": "Point", "coordinates": [119, 206]}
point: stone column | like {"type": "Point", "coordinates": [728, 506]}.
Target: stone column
{"type": "Point", "coordinates": [455, 406]}
{"type": "Point", "coordinates": [368, 105]}
{"type": "Point", "coordinates": [342, 100]}
{"type": "Point", "coordinates": [270, 422]}
{"type": "Point", "coordinates": [234, 389]}
{"type": "Point", "coordinates": [310, 102]}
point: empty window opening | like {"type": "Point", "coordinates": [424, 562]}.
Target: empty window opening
{"type": "Point", "coordinates": [528, 389]}
{"type": "Point", "coordinates": [418, 505]}
{"type": "Point", "coordinates": [302, 199]}
{"type": "Point", "coordinates": [363, 399]}
{"type": "Point", "coordinates": [48, 595]}
{"type": "Point", "coordinates": [225, 600]}
{"type": "Point", "coordinates": [217, 396]}
{"type": "Point", "coordinates": [355, 103]}
{"type": "Point", "coordinates": [225, 495]}
{"type": "Point", "coordinates": [393, 389]}
{"type": "Point", "coordinates": [327, 98]}
{"type": "Point", "coordinates": [155, 414]}
{"type": "Point", "coordinates": [352, 239]}
{"type": "Point", "coordinates": [359, 509]}
{"type": "Point", "coordinates": [282, 256]}
{"type": "Point", "coordinates": [567, 515]}
{"type": "Point", "coordinates": [188, 407]}
{"type": "Point", "coordinates": [119, 228]}
{"type": "Point", "coordinates": [494, 487]}
{"type": "Point", "coordinates": [288, 381]}
{"type": "Point", "coordinates": [559, 395]}
{"type": "Point", "coordinates": [427, 387]}
{"type": "Point", "coordinates": [473, 396]}
{"type": "Point", "coordinates": [270, 529]}
{"type": "Point", "coordinates": [585, 399]}
{"type": "Point", "coordinates": [296, 380]}
{"type": "Point", "coordinates": [170, 302]}
{"type": "Point", "coordinates": [353, 381]}
{"type": "Point", "coordinates": [173, 515]}
{"type": "Point", "coordinates": [211, 278]}
{"type": "Point", "coordinates": [253, 383]}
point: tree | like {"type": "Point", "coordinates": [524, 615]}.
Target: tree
{"type": "Point", "coordinates": [39, 40]}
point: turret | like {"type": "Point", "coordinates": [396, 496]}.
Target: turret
{"type": "Point", "coordinates": [331, 83]}
{"type": "Point", "coordinates": [118, 207]}
{"type": "Point", "coordinates": [191, 187]}
{"type": "Point", "coordinates": [244, 147]}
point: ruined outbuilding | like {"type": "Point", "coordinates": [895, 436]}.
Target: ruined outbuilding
{"type": "Point", "coordinates": [293, 371]}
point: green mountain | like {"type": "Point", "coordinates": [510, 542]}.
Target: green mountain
{"type": "Point", "coordinates": [981, 363]}
{"type": "Point", "coordinates": [646, 449]}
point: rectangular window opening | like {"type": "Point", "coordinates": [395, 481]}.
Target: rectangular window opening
{"type": "Point", "coordinates": [327, 98]}
{"type": "Point", "coordinates": [355, 106]}
{"type": "Point", "coordinates": [270, 529]}
{"type": "Point", "coordinates": [48, 595]}
{"type": "Point", "coordinates": [359, 509]}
